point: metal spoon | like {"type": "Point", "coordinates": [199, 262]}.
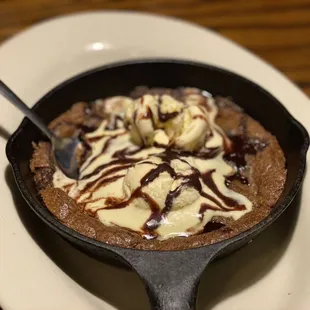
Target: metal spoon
{"type": "Point", "coordinates": [64, 149]}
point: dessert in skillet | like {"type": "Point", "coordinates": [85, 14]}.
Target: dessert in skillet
{"type": "Point", "coordinates": [162, 169]}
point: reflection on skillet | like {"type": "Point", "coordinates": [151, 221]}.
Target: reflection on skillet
{"type": "Point", "coordinates": [110, 283]}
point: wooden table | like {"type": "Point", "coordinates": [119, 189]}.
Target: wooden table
{"type": "Point", "coordinates": [276, 30]}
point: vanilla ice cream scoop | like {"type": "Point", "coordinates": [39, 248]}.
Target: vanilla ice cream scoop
{"type": "Point", "coordinates": [163, 120]}
{"type": "Point", "coordinates": [112, 105]}
{"type": "Point", "coordinates": [168, 185]}
{"type": "Point", "coordinates": [195, 129]}
{"type": "Point", "coordinates": [141, 115]}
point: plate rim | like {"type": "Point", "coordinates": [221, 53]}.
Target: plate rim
{"type": "Point", "coordinates": [279, 75]}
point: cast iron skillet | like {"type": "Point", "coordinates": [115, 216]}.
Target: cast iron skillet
{"type": "Point", "coordinates": [171, 277]}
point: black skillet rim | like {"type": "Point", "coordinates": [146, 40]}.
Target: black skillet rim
{"type": "Point", "coordinates": [50, 220]}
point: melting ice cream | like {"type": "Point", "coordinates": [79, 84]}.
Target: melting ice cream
{"type": "Point", "coordinates": [156, 166]}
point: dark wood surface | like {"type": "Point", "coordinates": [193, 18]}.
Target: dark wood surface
{"type": "Point", "coordinates": [276, 30]}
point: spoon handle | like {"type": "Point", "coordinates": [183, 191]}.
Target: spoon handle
{"type": "Point", "coordinates": [14, 99]}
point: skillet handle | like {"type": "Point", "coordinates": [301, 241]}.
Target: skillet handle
{"type": "Point", "coordinates": [171, 278]}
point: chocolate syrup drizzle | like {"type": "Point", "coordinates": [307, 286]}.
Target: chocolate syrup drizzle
{"type": "Point", "coordinates": [164, 117]}
{"type": "Point", "coordinates": [241, 146]}
{"type": "Point", "coordinates": [193, 180]}
{"type": "Point", "coordinates": [122, 162]}
{"type": "Point", "coordinates": [236, 150]}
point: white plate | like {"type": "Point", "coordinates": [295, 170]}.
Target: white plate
{"type": "Point", "coordinates": [40, 271]}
